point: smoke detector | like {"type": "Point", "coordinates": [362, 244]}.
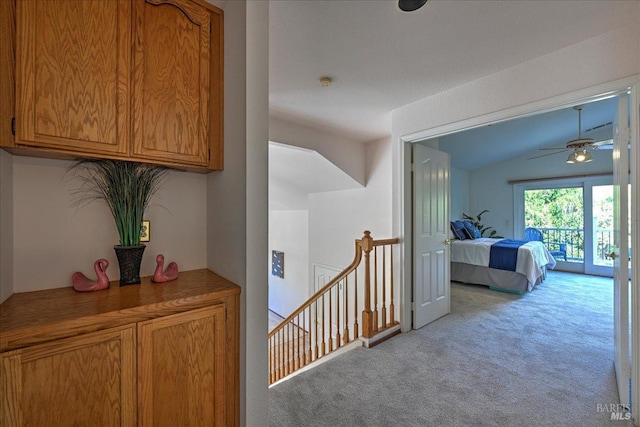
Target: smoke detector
{"type": "Point", "coordinates": [325, 81]}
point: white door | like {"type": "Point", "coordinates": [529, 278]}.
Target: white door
{"type": "Point", "coordinates": [430, 235]}
{"type": "Point", "coordinates": [322, 275]}
{"type": "Point", "coordinates": [621, 139]}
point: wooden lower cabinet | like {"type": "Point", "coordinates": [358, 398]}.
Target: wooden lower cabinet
{"type": "Point", "coordinates": [150, 355]}
{"type": "Point", "coordinates": [181, 365]}
{"type": "Point", "coordinates": [82, 381]}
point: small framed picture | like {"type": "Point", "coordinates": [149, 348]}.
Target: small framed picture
{"type": "Point", "coordinates": [145, 231]}
{"type": "Point", "coordinates": [277, 264]}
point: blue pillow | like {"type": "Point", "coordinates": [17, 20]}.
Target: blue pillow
{"type": "Point", "coordinates": [458, 230]}
{"type": "Point", "coordinates": [471, 230]}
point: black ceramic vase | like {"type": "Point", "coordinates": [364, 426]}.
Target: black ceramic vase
{"type": "Point", "coordinates": [129, 260]}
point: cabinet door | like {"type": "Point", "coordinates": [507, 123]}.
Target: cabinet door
{"type": "Point", "coordinates": [181, 369]}
{"type": "Point", "coordinates": [171, 81]}
{"type": "Point", "coordinates": [73, 70]}
{"type": "Point", "coordinates": [82, 381]}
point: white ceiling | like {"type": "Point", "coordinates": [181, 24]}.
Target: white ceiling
{"type": "Point", "coordinates": [295, 172]}
{"type": "Point", "coordinates": [381, 58]}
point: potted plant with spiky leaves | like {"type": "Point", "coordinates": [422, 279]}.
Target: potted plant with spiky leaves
{"type": "Point", "coordinates": [126, 187]}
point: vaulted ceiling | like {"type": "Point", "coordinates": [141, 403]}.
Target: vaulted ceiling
{"type": "Point", "coordinates": [524, 137]}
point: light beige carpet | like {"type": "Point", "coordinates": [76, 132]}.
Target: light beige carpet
{"type": "Point", "coordinates": [541, 359]}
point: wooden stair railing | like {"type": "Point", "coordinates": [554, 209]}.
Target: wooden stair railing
{"type": "Point", "coordinates": [330, 319]}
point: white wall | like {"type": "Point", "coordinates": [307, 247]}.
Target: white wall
{"type": "Point", "coordinates": [459, 182]}
{"type": "Point", "coordinates": [294, 172]}
{"type": "Point", "coordinates": [6, 225]}
{"type": "Point", "coordinates": [257, 200]}
{"type": "Point", "coordinates": [337, 218]}
{"type": "Point", "coordinates": [489, 187]}
{"type": "Point", "coordinates": [53, 238]}
{"type": "Point", "coordinates": [226, 190]}
{"type": "Point", "coordinates": [237, 212]}
{"type": "Point", "coordinates": [347, 154]}
{"type": "Point", "coordinates": [599, 60]}
{"type": "Point", "coordinates": [289, 233]}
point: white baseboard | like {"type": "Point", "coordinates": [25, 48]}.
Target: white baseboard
{"type": "Point", "coordinates": [378, 338]}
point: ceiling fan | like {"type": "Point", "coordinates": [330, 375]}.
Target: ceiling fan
{"type": "Point", "coordinates": [579, 147]}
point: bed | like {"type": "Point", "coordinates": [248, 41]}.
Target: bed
{"type": "Point", "coordinates": [477, 261]}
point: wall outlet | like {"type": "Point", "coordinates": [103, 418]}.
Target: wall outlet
{"type": "Point", "coordinates": [145, 231]}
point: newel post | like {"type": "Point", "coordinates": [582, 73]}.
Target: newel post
{"type": "Point", "coordinates": [367, 315]}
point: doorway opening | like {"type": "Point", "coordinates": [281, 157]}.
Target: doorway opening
{"type": "Point", "coordinates": [594, 247]}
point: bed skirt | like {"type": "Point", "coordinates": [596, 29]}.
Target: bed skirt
{"type": "Point", "coordinates": [499, 280]}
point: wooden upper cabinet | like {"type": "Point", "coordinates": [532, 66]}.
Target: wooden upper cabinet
{"type": "Point", "coordinates": [73, 75]}
{"type": "Point", "coordinates": [125, 79]}
{"type": "Point", "coordinates": [172, 73]}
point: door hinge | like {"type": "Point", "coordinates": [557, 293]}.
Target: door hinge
{"type": "Point", "coordinates": [13, 126]}
{"type": "Point", "coordinates": [209, 154]}
{"type": "Point", "coordinates": [413, 306]}
{"type": "Point", "coordinates": [413, 167]}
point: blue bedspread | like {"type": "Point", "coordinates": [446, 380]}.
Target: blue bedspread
{"type": "Point", "coordinates": [504, 254]}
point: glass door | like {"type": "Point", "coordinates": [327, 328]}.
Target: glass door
{"type": "Point", "coordinates": [575, 218]}
{"type": "Point", "coordinates": [602, 222]}
{"type": "Point", "coordinates": [558, 213]}
{"type": "Point", "coordinates": [602, 225]}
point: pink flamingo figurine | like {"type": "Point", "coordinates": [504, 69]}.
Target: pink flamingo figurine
{"type": "Point", "coordinates": [161, 275]}
{"type": "Point", "coordinates": [82, 283]}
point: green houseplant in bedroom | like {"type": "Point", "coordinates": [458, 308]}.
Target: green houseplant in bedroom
{"type": "Point", "coordinates": [127, 188]}
{"type": "Point", "coordinates": [477, 222]}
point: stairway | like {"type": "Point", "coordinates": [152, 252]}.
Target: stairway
{"type": "Point", "coordinates": [356, 304]}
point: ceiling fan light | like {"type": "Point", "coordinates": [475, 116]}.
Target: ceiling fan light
{"type": "Point", "coordinates": [580, 156]}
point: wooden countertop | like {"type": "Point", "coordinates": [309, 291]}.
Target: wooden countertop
{"type": "Point", "coordinates": [36, 317]}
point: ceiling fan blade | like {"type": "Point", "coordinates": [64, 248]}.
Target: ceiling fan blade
{"type": "Point", "coordinates": [603, 126]}
{"type": "Point", "coordinates": [545, 155]}
{"type": "Point", "coordinates": [555, 148]}
{"type": "Point", "coordinates": [603, 144]}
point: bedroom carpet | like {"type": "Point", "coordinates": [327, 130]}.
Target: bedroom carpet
{"type": "Point", "coordinates": [541, 359]}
